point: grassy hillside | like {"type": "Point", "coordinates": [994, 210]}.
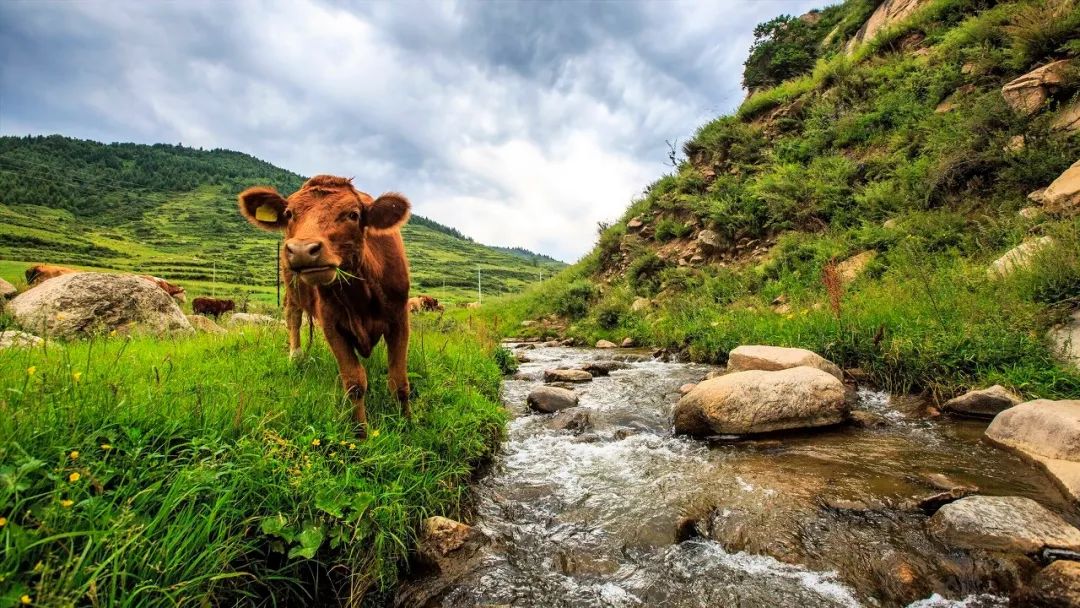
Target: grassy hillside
{"type": "Point", "coordinates": [211, 471]}
{"type": "Point", "coordinates": [171, 211]}
{"type": "Point", "coordinates": [903, 150]}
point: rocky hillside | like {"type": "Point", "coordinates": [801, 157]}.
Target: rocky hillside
{"type": "Point", "coordinates": [865, 202]}
{"type": "Point", "coordinates": [171, 211]}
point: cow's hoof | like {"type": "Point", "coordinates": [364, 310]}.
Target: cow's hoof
{"type": "Point", "coordinates": [296, 355]}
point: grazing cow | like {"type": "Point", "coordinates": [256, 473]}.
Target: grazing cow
{"type": "Point", "coordinates": [424, 303]}
{"type": "Point", "coordinates": [344, 264]}
{"type": "Point", "coordinates": [212, 307]}
{"type": "Point", "coordinates": [43, 272]}
{"type": "Point", "coordinates": [178, 293]}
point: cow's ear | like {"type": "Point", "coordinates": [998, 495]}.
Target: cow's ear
{"type": "Point", "coordinates": [388, 212]}
{"type": "Point", "coordinates": [263, 207]}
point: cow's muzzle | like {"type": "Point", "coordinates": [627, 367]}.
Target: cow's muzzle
{"type": "Point", "coordinates": [307, 259]}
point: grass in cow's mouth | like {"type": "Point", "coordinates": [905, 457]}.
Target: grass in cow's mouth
{"type": "Point", "coordinates": [341, 275]}
{"type": "Point", "coordinates": [210, 467]}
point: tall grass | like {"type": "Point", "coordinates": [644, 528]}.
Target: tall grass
{"type": "Point", "coordinates": [208, 470]}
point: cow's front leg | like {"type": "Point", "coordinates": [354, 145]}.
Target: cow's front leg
{"type": "Point", "coordinates": [294, 320]}
{"type": "Point", "coordinates": [353, 375]}
{"type": "Point", "coordinates": [397, 347]}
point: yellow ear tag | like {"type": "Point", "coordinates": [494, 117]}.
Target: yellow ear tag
{"type": "Point", "coordinates": [266, 213]}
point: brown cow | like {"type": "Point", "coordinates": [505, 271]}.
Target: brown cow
{"type": "Point", "coordinates": [43, 272]}
{"type": "Point", "coordinates": [424, 303]}
{"type": "Point", "coordinates": [211, 306]}
{"type": "Point", "coordinates": [178, 293]}
{"type": "Point", "coordinates": [344, 264]}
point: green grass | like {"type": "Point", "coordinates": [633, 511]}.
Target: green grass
{"type": "Point", "coordinates": [211, 471]}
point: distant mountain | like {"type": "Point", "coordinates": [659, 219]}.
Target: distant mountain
{"type": "Point", "coordinates": [170, 210]}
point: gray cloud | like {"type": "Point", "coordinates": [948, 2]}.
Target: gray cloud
{"type": "Point", "coordinates": [517, 123]}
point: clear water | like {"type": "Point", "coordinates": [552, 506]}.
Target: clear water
{"type": "Point", "coordinates": [591, 519]}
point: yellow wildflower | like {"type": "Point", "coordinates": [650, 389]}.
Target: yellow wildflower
{"type": "Point", "coordinates": [38, 567]}
{"type": "Point", "coordinates": [66, 503]}
{"type": "Point", "coordinates": [352, 446]}
{"type": "Point", "coordinates": [375, 433]}
{"type": "Point", "coordinates": [112, 334]}
{"type": "Point", "coordinates": [106, 446]}
{"type": "Point", "coordinates": [74, 477]}
{"type": "Point", "coordinates": [26, 599]}
{"type": "Point", "coordinates": [3, 522]}
{"type": "Point", "coordinates": [30, 371]}
{"type": "Point", "coordinates": [316, 442]}
{"type": "Point", "coordinates": [342, 442]}
{"type": "Point", "coordinates": [76, 376]}
{"type": "Point", "coordinates": [74, 454]}
{"type": "Point", "coordinates": [332, 454]}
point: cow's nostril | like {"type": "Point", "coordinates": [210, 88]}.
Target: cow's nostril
{"type": "Point", "coordinates": [314, 249]}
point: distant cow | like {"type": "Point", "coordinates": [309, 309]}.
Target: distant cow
{"type": "Point", "coordinates": [424, 303]}
{"type": "Point", "coordinates": [472, 305]}
{"type": "Point", "coordinates": [43, 272]}
{"type": "Point", "coordinates": [212, 306]}
{"type": "Point", "coordinates": [344, 264]}
{"type": "Point", "coordinates": [178, 293]}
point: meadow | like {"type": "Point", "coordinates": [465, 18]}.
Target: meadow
{"type": "Point", "coordinates": [208, 470]}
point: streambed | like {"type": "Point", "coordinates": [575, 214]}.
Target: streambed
{"type": "Point", "coordinates": [623, 513]}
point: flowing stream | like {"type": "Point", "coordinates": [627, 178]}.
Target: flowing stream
{"type": "Point", "coordinates": [623, 513]}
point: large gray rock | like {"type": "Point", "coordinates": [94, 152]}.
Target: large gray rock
{"type": "Point", "coordinates": [1027, 94]}
{"type": "Point", "coordinates": [7, 290]}
{"type": "Point", "coordinates": [762, 401]}
{"type": "Point", "coordinates": [1066, 339]}
{"type": "Point", "coordinates": [1018, 257]}
{"type": "Point", "coordinates": [1002, 523]}
{"type": "Point", "coordinates": [983, 403]}
{"type": "Point", "coordinates": [551, 399]}
{"type": "Point", "coordinates": [12, 338]}
{"type": "Point", "coordinates": [82, 303]}
{"type": "Point", "coordinates": [773, 358]}
{"type": "Point", "coordinates": [1047, 433]}
{"type": "Point", "coordinates": [567, 375]}
{"type": "Point", "coordinates": [205, 325]}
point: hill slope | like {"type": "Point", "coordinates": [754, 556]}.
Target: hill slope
{"type": "Point", "coordinates": [897, 151]}
{"type": "Point", "coordinates": [171, 211]}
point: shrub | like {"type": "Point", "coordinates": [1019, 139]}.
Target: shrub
{"type": "Point", "coordinates": [1042, 27]}
{"type": "Point", "coordinates": [643, 274]}
{"type": "Point", "coordinates": [609, 314]}
{"type": "Point", "coordinates": [505, 359]}
{"type": "Point", "coordinates": [783, 47]}
{"type": "Point", "coordinates": [573, 301]}
{"type": "Point", "coordinates": [668, 229]}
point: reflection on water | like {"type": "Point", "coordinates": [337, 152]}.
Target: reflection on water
{"type": "Point", "coordinates": [593, 517]}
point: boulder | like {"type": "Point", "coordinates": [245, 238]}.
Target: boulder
{"type": "Point", "coordinates": [983, 403]}
{"type": "Point", "coordinates": [1068, 119]}
{"type": "Point", "coordinates": [550, 399]}
{"type": "Point", "coordinates": [640, 304]}
{"type": "Point", "coordinates": [575, 419]}
{"type": "Point", "coordinates": [1057, 585]}
{"type": "Point", "coordinates": [18, 339]}
{"type": "Point", "coordinates": [710, 242]}
{"type": "Point", "coordinates": [1018, 257]}
{"type": "Point", "coordinates": [888, 13]}
{"type": "Point", "coordinates": [205, 325]}
{"type": "Point", "coordinates": [7, 290]}
{"type": "Point", "coordinates": [635, 223]}
{"type": "Point", "coordinates": [686, 388]}
{"type": "Point", "coordinates": [1047, 433]}
{"type": "Point", "coordinates": [603, 368]}
{"type": "Point", "coordinates": [1066, 340]}
{"type": "Point", "coordinates": [244, 318]}
{"type": "Point", "coordinates": [1062, 196]}
{"type": "Point", "coordinates": [773, 358]}
{"type": "Point", "coordinates": [567, 375]}
{"type": "Point", "coordinates": [605, 344]}
{"type": "Point", "coordinates": [1015, 144]}
{"type": "Point", "coordinates": [1002, 523]}
{"type": "Point", "coordinates": [759, 401]}
{"type": "Point", "coordinates": [1027, 94]}
{"type": "Point", "coordinates": [628, 343]}
{"type": "Point", "coordinates": [82, 303]}
{"type": "Point", "coordinates": [852, 267]}
{"type": "Point", "coordinates": [890, 224]}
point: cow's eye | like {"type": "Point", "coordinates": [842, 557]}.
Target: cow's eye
{"type": "Point", "coordinates": [354, 216]}
{"type": "Point", "coordinates": [288, 215]}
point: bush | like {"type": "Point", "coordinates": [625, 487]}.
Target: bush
{"type": "Point", "coordinates": [573, 301]}
{"type": "Point", "coordinates": [1041, 28]}
{"type": "Point", "coordinates": [643, 274]}
{"type": "Point", "coordinates": [505, 359]}
{"type": "Point", "coordinates": [609, 315]}
{"type": "Point", "coordinates": [668, 229]}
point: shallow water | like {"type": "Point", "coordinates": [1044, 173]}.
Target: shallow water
{"type": "Point", "coordinates": [594, 518]}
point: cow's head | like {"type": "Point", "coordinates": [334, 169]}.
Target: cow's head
{"type": "Point", "coordinates": [325, 223]}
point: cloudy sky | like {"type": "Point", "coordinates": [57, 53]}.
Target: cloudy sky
{"type": "Point", "coordinates": [517, 123]}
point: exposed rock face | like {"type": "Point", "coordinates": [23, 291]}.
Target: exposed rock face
{"type": "Point", "coordinates": [18, 339]}
{"type": "Point", "coordinates": [551, 399]}
{"type": "Point", "coordinates": [1018, 257]}
{"type": "Point", "coordinates": [1027, 94]}
{"type": "Point", "coordinates": [1046, 432]}
{"type": "Point", "coordinates": [1066, 340]}
{"type": "Point", "coordinates": [605, 344]}
{"type": "Point", "coordinates": [1062, 196]}
{"type": "Point", "coordinates": [1068, 119]}
{"type": "Point", "coordinates": [1057, 586]}
{"type": "Point", "coordinates": [7, 290]}
{"type": "Point", "coordinates": [81, 303]}
{"type": "Point", "coordinates": [762, 401]}
{"type": "Point", "coordinates": [205, 325]}
{"type": "Point", "coordinates": [773, 358]}
{"type": "Point", "coordinates": [852, 267]}
{"type": "Point", "coordinates": [567, 375]}
{"type": "Point", "coordinates": [888, 13]}
{"type": "Point", "coordinates": [244, 318]}
{"type": "Point", "coordinates": [1002, 523]}
{"type": "Point", "coordinates": [983, 403]}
